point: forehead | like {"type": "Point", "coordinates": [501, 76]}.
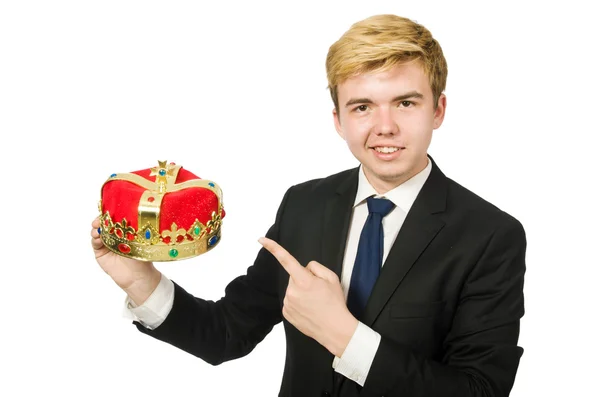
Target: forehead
{"type": "Point", "coordinates": [394, 81]}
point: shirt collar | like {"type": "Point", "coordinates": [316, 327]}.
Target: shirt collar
{"type": "Point", "coordinates": [402, 196]}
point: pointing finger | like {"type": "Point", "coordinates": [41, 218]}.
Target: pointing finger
{"type": "Point", "coordinates": [296, 271]}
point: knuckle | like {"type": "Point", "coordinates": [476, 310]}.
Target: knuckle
{"type": "Point", "coordinates": [289, 294]}
{"type": "Point", "coordinates": [302, 284]}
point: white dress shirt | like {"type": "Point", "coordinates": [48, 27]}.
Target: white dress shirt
{"type": "Point", "coordinates": [356, 360]}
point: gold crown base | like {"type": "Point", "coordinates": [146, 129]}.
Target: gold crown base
{"type": "Point", "coordinates": [159, 252]}
{"type": "Point", "coordinates": [147, 244]}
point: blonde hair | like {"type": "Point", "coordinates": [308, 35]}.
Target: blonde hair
{"type": "Point", "coordinates": [381, 42]}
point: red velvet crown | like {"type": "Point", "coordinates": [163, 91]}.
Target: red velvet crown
{"type": "Point", "coordinates": [164, 213]}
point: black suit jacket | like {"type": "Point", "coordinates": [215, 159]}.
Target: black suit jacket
{"type": "Point", "coordinates": [447, 302]}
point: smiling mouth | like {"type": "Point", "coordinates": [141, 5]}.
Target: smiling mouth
{"type": "Point", "coordinates": [386, 149]}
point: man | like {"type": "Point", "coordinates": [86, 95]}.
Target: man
{"type": "Point", "coordinates": [390, 278]}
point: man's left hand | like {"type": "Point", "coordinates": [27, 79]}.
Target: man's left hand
{"type": "Point", "coordinates": [314, 301]}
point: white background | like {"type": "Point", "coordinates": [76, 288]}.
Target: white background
{"type": "Point", "coordinates": [236, 92]}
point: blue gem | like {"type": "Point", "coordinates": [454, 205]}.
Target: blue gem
{"type": "Point", "coordinates": [211, 184]}
{"type": "Point", "coordinates": [99, 230]}
{"type": "Point", "coordinates": [113, 175]}
{"type": "Point", "coordinates": [148, 234]}
{"type": "Point", "coordinates": [213, 240]}
{"type": "Point", "coordinates": [162, 172]}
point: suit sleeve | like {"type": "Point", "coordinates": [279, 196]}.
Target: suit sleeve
{"type": "Point", "coordinates": [231, 327]}
{"type": "Point", "coordinates": [481, 355]}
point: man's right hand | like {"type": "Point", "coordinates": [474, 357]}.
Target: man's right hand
{"type": "Point", "coordinates": [137, 278]}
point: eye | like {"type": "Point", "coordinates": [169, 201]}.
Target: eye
{"type": "Point", "coordinates": [361, 108]}
{"type": "Point", "coordinates": [405, 104]}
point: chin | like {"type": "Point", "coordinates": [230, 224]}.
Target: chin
{"type": "Point", "coordinates": [392, 178]}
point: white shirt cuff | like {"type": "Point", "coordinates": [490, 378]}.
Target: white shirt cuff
{"type": "Point", "coordinates": [156, 308]}
{"type": "Point", "coordinates": [356, 360]}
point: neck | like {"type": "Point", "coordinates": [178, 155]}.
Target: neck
{"type": "Point", "coordinates": [383, 186]}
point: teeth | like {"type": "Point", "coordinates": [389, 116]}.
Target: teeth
{"type": "Point", "coordinates": [386, 149]}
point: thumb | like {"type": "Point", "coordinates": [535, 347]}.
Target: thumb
{"type": "Point", "coordinates": [322, 272]}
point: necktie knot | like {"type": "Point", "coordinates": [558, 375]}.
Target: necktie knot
{"type": "Point", "coordinates": [379, 206]}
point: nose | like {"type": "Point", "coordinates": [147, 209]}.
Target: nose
{"type": "Point", "coordinates": [386, 123]}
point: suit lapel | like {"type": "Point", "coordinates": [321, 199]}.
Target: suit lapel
{"type": "Point", "coordinates": [336, 222]}
{"type": "Point", "coordinates": [418, 230]}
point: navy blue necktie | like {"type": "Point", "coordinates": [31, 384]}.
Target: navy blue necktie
{"type": "Point", "coordinates": [369, 256]}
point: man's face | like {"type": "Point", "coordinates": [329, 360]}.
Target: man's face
{"type": "Point", "coordinates": [387, 120]}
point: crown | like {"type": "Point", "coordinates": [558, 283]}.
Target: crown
{"type": "Point", "coordinates": [160, 214]}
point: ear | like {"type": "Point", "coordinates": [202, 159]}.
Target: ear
{"type": "Point", "coordinates": [338, 123]}
{"type": "Point", "coordinates": [440, 112]}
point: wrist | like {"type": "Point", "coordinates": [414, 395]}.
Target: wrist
{"type": "Point", "coordinates": [343, 334]}
{"type": "Point", "coordinates": [140, 290]}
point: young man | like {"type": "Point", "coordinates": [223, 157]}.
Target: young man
{"type": "Point", "coordinates": [390, 278]}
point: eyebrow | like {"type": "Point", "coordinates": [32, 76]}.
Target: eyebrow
{"type": "Point", "coordinates": [403, 97]}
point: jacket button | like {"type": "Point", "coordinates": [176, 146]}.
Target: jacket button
{"type": "Point", "coordinates": [325, 394]}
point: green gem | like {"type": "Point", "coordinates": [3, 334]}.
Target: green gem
{"type": "Point", "coordinates": [197, 230]}
{"type": "Point", "coordinates": [173, 253]}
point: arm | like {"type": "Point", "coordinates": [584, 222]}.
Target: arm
{"type": "Point", "coordinates": [231, 327]}
{"type": "Point", "coordinates": [481, 353]}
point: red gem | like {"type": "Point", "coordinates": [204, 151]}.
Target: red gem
{"type": "Point", "coordinates": [166, 240]}
{"type": "Point", "coordinates": [130, 236]}
{"type": "Point", "coordinates": [180, 238]}
{"type": "Point", "coordinates": [119, 233]}
{"type": "Point", "coordinates": [124, 248]}
{"type": "Point", "coordinates": [150, 199]}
